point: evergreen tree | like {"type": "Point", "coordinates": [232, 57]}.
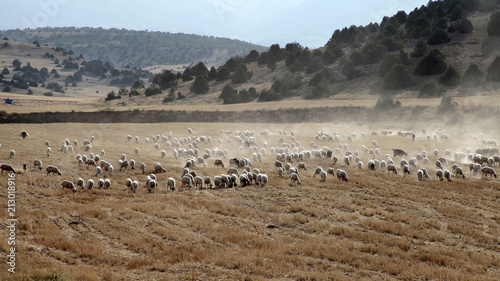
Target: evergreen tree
{"type": "Point", "coordinates": [200, 85]}
{"type": "Point", "coordinates": [387, 63]}
{"type": "Point", "coordinates": [419, 50]}
{"type": "Point", "coordinates": [432, 64]}
{"type": "Point", "coordinates": [494, 70]}
{"type": "Point", "coordinates": [494, 24]}
{"type": "Point", "coordinates": [397, 78]}
{"type": "Point", "coordinates": [272, 63]}
{"type": "Point", "coordinates": [472, 76]}
{"type": "Point", "coordinates": [450, 77]}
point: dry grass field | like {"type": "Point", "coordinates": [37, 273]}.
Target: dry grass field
{"type": "Point", "coordinates": [376, 226]}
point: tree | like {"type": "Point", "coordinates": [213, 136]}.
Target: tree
{"type": "Point", "coordinates": [6, 89]}
{"type": "Point", "coordinates": [212, 74]}
{"type": "Point", "coordinates": [200, 85]}
{"type": "Point", "coordinates": [313, 66]}
{"type": "Point", "coordinates": [494, 24]}
{"type": "Point", "coordinates": [386, 103]}
{"type": "Point", "coordinates": [357, 57]}
{"type": "Point", "coordinates": [152, 90]}
{"type": "Point", "coordinates": [327, 57]}
{"type": "Point", "coordinates": [229, 95]}
{"type": "Point", "coordinates": [199, 69]}
{"type": "Point", "coordinates": [16, 63]}
{"type": "Point", "coordinates": [419, 50]}
{"type": "Point", "coordinates": [457, 13]}
{"type": "Point", "coordinates": [375, 55]}
{"type": "Point", "coordinates": [387, 63]}
{"type": "Point", "coordinates": [430, 89]}
{"type": "Point", "coordinates": [268, 95]}
{"type": "Point", "coordinates": [416, 32]}
{"type": "Point", "coordinates": [450, 77]}
{"type": "Point", "coordinates": [241, 74]}
{"type": "Point", "coordinates": [137, 85]}
{"type": "Point", "coordinates": [494, 70]}
{"type": "Point", "coordinates": [290, 59]}
{"type": "Point", "coordinates": [439, 36]}
{"type": "Point", "coordinates": [5, 71]}
{"type": "Point", "coordinates": [432, 64]}
{"type": "Point", "coordinates": [253, 56]}
{"type": "Point", "coordinates": [325, 74]}
{"type": "Point", "coordinates": [350, 70]}
{"type": "Point", "coordinates": [223, 74]}
{"type": "Point", "coordinates": [472, 76]}
{"type": "Point", "coordinates": [397, 78]}
{"type": "Point", "coordinates": [465, 26]}
{"type": "Point", "coordinates": [272, 62]}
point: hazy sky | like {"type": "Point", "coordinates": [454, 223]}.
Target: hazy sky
{"type": "Point", "coordinates": [265, 22]}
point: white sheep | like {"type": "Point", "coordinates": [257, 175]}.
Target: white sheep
{"type": "Point", "coordinates": [186, 181]}
{"type": "Point", "coordinates": [107, 183]}
{"type": "Point", "coordinates": [90, 183]}
{"type": "Point", "coordinates": [158, 168]}
{"type": "Point", "coordinates": [134, 186]}
{"type": "Point", "coordinates": [100, 183]}
{"type": "Point", "coordinates": [406, 170]}
{"type": "Point", "coordinates": [263, 179]}
{"type": "Point", "coordinates": [322, 175]}
{"type": "Point", "coordinates": [218, 162]}
{"type": "Point", "coordinates": [111, 169]}
{"type": "Point", "coordinates": [360, 165]}
{"type": "Point", "coordinates": [295, 178]}
{"type": "Point", "coordinates": [341, 175]}
{"type": "Point", "coordinates": [132, 164]}
{"type": "Point", "coordinates": [68, 184]}
{"type": "Point", "coordinates": [346, 161]}
{"type": "Point", "coordinates": [317, 171]}
{"type": "Point", "coordinates": [392, 168]}
{"type": "Point", "coordinates": [128, 183]}
{"type": "Point", "coordinates": [420, 175]}
{"type": "Point", "coordinates": [98, 170]}
{"type": "Point", "coordinates": [12, 152]}
{"type": "Point", "coordinates": [37, 163]}
{"type": "Point", "coordinates": [198, 181]}
{"type": "Point", "coordinates": [53, 170]}
{"type": "Point", "coordinates": [163, 153]}
{"type": "Point", "coordinates": [447, 175]}
{"type": "Point", "coordinates": [439, 175]}
{"type": "Point", "coordinates": [151, 185]}
{"type": "Point", "coordinates": [142, 167]}
{"type": "Point", "coordinates": [171, 184]}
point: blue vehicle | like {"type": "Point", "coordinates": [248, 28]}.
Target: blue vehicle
{"type": "Point", "coordinates": [9, 101]}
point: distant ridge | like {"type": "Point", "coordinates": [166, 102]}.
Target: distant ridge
{"type": "Point", "coordinates": [123, 47]}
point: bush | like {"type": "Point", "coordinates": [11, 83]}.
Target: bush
{"type": "Point", "coordinates": [416, 32]}
{"type": "Point", "coordinates": [357, 57]}
{"type": "Point", "coordinates": [439, 36]}
{"type": "Point", "coordinates": [430, 89]}
{"type": "Point", "coordinates": [386, 103]}
{"type": "Point", "coordinates": [240, 74]}
{"type": "Point", "coordinates": [494, 70]}
{"type": "Point", "coordinates": [272, 62]}
{"type": "Point", "coordinates": [290, 60]}
{"type": "Point", "coordinates": [350, 70]}
{"type": "Point", "coordinates": [472, 76]}
{"type": "Point", "coordinates": [5, 71]}
{"type": "Point", "coordinates": [464, 26]}
{"type": "Point", "coordinates": [494, 24]}
{"type": "Point", "coordinates": [450, 77]}
{"type": "Point", "coordinates": [375, 55]}
{"type": "Point", "coordinates": [432, 64]}
{"type": "Point", "coordinates": [327, 57]}
{"type": "Point", "coordinates": [223, 74]}
{"type": "Point", "coordinates": [419, 50]}
{"type": "Point", "coordinates": [314, 66]}
{"type": "Point", "coordinates": [457, 13]}
{"type": "Point", "coordinates": [6, 89]}
{"type": "Point", "coordinates": [30, 92]}
{"type": "Point", "coordinates": [387, 63]}
{"type": "Point", "coordinates": [268, 95]}
{"type": "Point", "coordinates": [447, 105]}
{"type": "Point", "coordinates": [397, 78]}
{"type": "Point", "coordinates": [392, 44]}
{"type": "Point", "coordinates": [326, 75]}
{"type": "Point", "coordinates": [50, 94]}
{"type": "Point", "coordinates": [152, 91]}
{"type": "Point", "coordinates": [200, 85]}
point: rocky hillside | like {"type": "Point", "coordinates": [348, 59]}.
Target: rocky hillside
{"type": "Point", "coordinates": [123, 47]}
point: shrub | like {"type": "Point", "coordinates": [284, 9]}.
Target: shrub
{"type": "Point", "coordinates": [387, 63]}
{"type": "Point", "coordinates": [416, 32]}
{"type": "Point", "coordinates": [314, 66]}
{"type": "Point", "coordinates": [494, 70]}
{"type": "Point", "coordinates": [397, 78]}
{"type": "Point", "coordinates": [457, 13]}
{"type": "Point", "coordinates": [30, 92]}
{"type": "Point", "coordinates": [439, 36]}
{"type": "Point", "coordinates": [447, 105]}
{"type": "Point", "coordinates": [200, 85]}
{"type": "Point", "coordinates": [350, 70]}
{"type": "Point", "coordinates": [432, 64]}
{"type": "Point", "coordinates": [223, 74]}
{"type": "Point", "coordinates": [240, 74]}
{"type": "Point", "coordinates": [325, 74]}
{"type": "Point", "coordinates": [5, 71]}
{"type": "Point", "coordinates": [450, 77]}
{"type": "Point", "coordinates": [50, 94]}
{"type": "Point", "coordinates": [268, 95]}
{"type": "Point", "coordinates": [392, 44]}
{"type": "Point", "coordinates": [228, 95]}
{"type": "Point", "coordinates": [464, 26]}
{"type": "Point", "coordinates": [327, 57]}
{"type": "Point", "coordinates": [152, 90]}
{"type": "Point", "coordinates": [271, 62]}
{"type": "Point", "coordinates": [430, 89]}
{"type": "Point", "coordinates": [494, 24]}
{"type": "Point", "coordinates": [6, 89]}
{"type": "Point", "coordinates": [375, 55]}
{"type": "Point", "coordinates": [290, 60]}
{"type": "Point", "coordinates": [472, 76]}
{"type": "Point", "coordinates": [419, 50]}
{"type": "Point", "coordinates": [357, 57]}
{"type": "Point", "coordinates": [386, 103]}
{"type": "Point", "coordinates": [186, 76]}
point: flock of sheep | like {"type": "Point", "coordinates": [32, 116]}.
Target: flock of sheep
{"type": "Point", "coordinates": [237, 150]}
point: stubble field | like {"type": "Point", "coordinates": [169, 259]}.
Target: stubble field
{"type": "Point", "coordinates": [376, 226]}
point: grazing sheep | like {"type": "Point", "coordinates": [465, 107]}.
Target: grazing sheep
{"type": "Point", "coordinates": [100, 183]}
{"type": "Point", "coordinates": [346, 161]}
{"type": "Point", "coordinates": [302, 165]}
{"type": "Point", "coordinates": [360, 165]}
{"type": "Point", "coordinates": [341, 175]}
{"type": "Point", "coordinates": [439, 165]}
{"type": "Point", "coordinates": [68, 184]}
{"type": "Point", "coordinates": [37, 163]}
{"type": "Point", "coordinates": [322, 175]}
{"type": "Point", "coordinates": [24, 134]}
{"type": "Point", "coordinates": [49, 151]}
{"type": "Point", "coordinates": [295, 178]}
{"type": "Point", "coordinates": [111, 169]}
{"type": "Point", "coordinates": [459, 172]}
{"type": "Point", "coordinates": [392, 168]}
{"type": "Point", "coordinates": [134, 186]}
{"type": "Point", "coordinates": [171, 184]}
{"type": "Point", "coordinates": [439, 175]}
{"type": "Point", "coordinates": [158, 168]}
{"type": "Point", "coordinates": [128, 182]}
{"type": "Point", "coordinates": [330, 171]}
{"type": "Point", "coordinates": [280, 172]}
{"type": "Point", "coordinates": [186, 181]}
{"type": "Point", "coordinates": [151, 185]}
{"type": "Point", "coordinates": [334, 160]}
{"type": "Point", "coordinates": [233, 171]}
{"type": "Point", "coordinates": [88, 147]}
{"type": "Point", "coordinates": [132, 164]}
{"type": "Point", "coordinates": [198, 181]}
{"type": "Point", "coordinates": [208, 182]}
{"type": "Point", "coordinates": [98, 170]}
{"type": "Point", "coordinates": [107, 183]}
{"type": "Point", "coordinates": [488, 171]}
{"type": "Point", "coordinates": [420, 175]}
{"type": "Point", "coordinates": [447, 175]}
{"type": "Point", "coordinates": [142, 167]}
{"type": "Point", "coordinates": [317, 171]}
{"type": "Point", "coordinates": [399, 153]}
{"type": "Point", "coordinates": [8, 168]}
{"type": "Point", "coordinates": [406, 170]}
{"type": "Point", "coordinates": [218, 162]}
{"type": "Point", "coordinates": [90, 184]}
{"type": "Point", "coordinates": [163, 153]}
{"type": "Point", "coordinates": [263, 180]}
{"type": "Point", "coordinates": [12, 152]}
{"type": "Point", "coordinates": [53, 170]}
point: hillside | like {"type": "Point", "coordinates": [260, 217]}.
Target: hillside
{"type": "Point", "coordinates": [132, 48]}
{"type": "Point", "coordinates": [355, 63]}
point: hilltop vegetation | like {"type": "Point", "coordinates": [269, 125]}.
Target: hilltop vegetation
{"type": "Point", "coordinates": [122, 47]}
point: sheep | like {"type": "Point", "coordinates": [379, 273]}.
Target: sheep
{"type": "Point", "coordinates": [8, 168]}
{"type": "Point", "coordinates": [158, 168]}
{"type": "Point", "coordinates": [360, 165]}
{"type": "Point", "coordinates": [24, 134]}
{"type": "Point", "coordinates": [233, 171]}
{"type": "Point", "coordinates": [12, 152]}
{"type": "Point", "coordinates": [68, 184]}
{"type": "Point", "coordinates": [80, 162]}
{"type": "Point", "coordinates": [111, 169]}
{"type": "Point", "coordinates": [137, 151]}
{"type": "Point", "coordinates": [49, 151]}
{"type": "Point", "coordinates": [330, 171]}
{"type": "Point", "coordinates": [128, 183]}
{"type": "Point", "coordinates": [98, 170]}
{"type": "Point", "coordinates": [317, 171]}
{"type": "Point", "coordinates": [217, 181]}
{"type": "Point", "coordinates": [134, 186]}
{"type": "Point", "coordinates": [280, 172]}
{"type": "Point", "coordinates": [88, 147]}
{"type": "Point", "coordinates": [439, 175]}
{"type": "Point", "coordinates": [198, 181]}
{"type": "Point", "coordinates": [295, 178]}
{"type": "Point", "coordinates": [151, 185]}
{"type": "Point", "coordinates": [420, 175]}
{"type": "Point", "coordinates": [439, 165]}
{"type": "Point", "coordinates": [322, 175]}
{"type": "Point", "coordinates": [488, 171]}
{"type": "Point", "coordinates": [186, 181]}
{"type": "Point", "coordinates": [459, 172]}
{"type": "Point", "coordinates": [107, 183]}
{"type": "Point", "coordinates": [37, 163]}
{"type": "Point", "coordinates": [142, 167]}
{"type": "Point", "coordinates": [100, 183]}
{"type": "Point", "coordinates": [447, 175]}
{"type": "Point", "coordinates": [302, 165]}
{"type": "Point", "coordinates": [171, 184]}
{"type": "Point", "coordinates": [334, 160]}
{"type": "Point", "coordinates": [406, 170]}
{"type": "Point", "coordinates": [53, 170]}
{"type": "Point", "coordinates": [278, 164]}
{"type": "Point", "coordinates": [218, 162]}
{"type": "Point", "coordinates": [90, 184]}
{"type": "Point", "coordinates": [263, 180]}
{"type": "Point", "coordinates": [163, 153]}
{"type": "Point", "coordinates": [346, 161]}
{"type": "Point", "coordinates": [403, 162]}
{"type": "Point", "coordinates": [341, 175]}
{"type": "Point", "coordinates": [132, 164]}
{"type": "Point", "coordinates": [392, 168]}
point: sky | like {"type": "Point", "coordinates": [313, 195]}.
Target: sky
{"type": "Point", "coordinates": [264, 22]}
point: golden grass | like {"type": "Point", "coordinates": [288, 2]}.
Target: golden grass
{"type": "Point", "coordinates": [377, 226]}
